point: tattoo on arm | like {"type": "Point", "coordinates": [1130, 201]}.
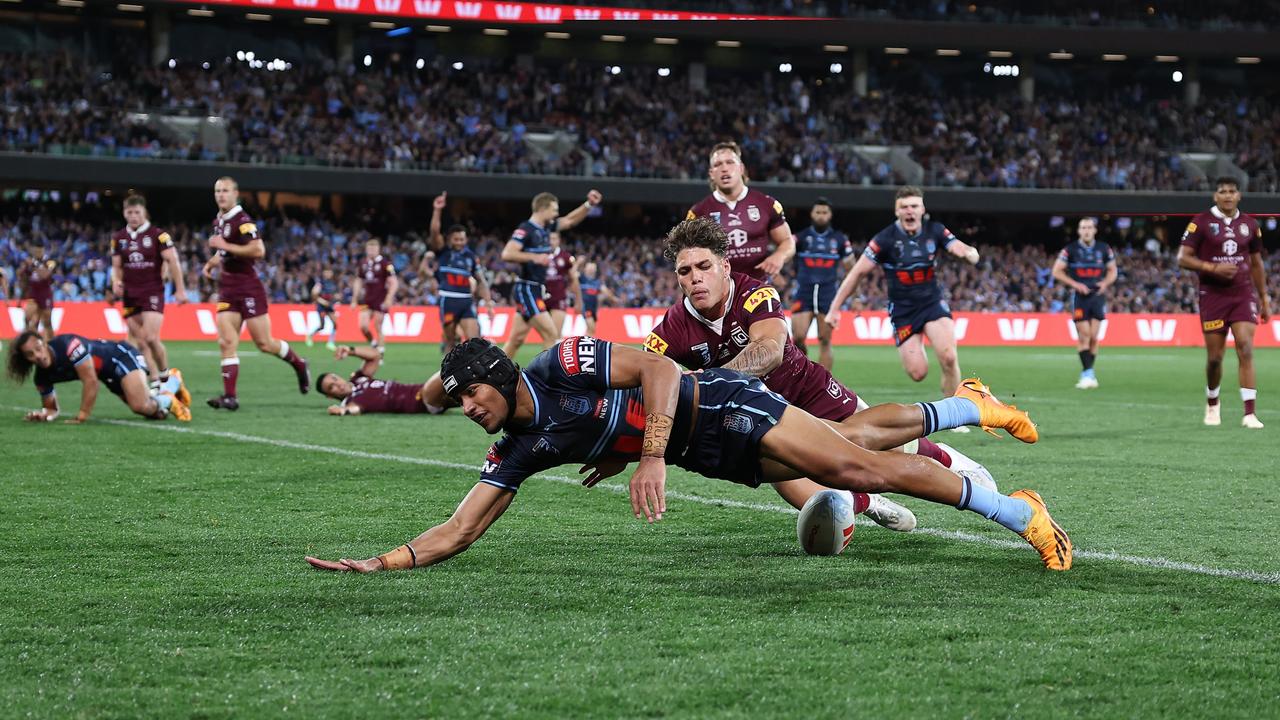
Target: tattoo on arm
{"type": "Point", "coordinates": [657, 431]}
{"type": "Point", "coordinates": [757, 359]}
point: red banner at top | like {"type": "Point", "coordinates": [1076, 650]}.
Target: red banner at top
{"type": "Point", "coordinates": [481, 10]}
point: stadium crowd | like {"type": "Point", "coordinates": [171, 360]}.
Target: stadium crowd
{"type": "Point", "coordinates": [1010, 278]}
{"type": "Point", "coordinates": [505, 116]}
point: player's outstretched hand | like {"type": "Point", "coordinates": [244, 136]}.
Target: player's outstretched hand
{"type": "Point", "coordinates": [346, 565]}
{"type": "Point", "coordinates": [649, 489]}
{"type": "Point", "coordinates": [181, 298]}
{"type": "Point", "coordinates": [594, 197]}
{"type": "Point", "coordinates": [342, 352]}
{"type": "Point", "coordinates": [601, 471]}
{"type": "Point", "coordinates": [833, 318]}
{"type": "Point", "coordinates": [440, 201]}
{"type": "Point", "coordinates": [770, 265]}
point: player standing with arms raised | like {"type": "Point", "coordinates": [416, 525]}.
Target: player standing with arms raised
{"type": "Point", "coordinates": [242, 300]}
{"type": "Point", "coordinates": [1088, 267]}
{"type": "Point", "coordinates": [530, 246]}
{"type": "Point", "coordinates": [35, 275]}
{"type": "Point", "coordinates": [456, 266]}
{"type": "Point", "coordinates": [375, 290]}
{"type": "Point", "coordinates": [140, 252]}
{"type": "Point", "coordinates": [821, 253]}
{"type": "Point", "coordinates": [907, 250]}
{"type": "Point", "coordinates": [752, 219]}
{"type": "Point", "coordinates": [1224, 246]}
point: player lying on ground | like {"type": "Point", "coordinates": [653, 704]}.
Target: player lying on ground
{"type": "Point", "coordinates": [361, 394]}
{"type": "Point", "coordinates": [119, 366]}
{"type": "Point", "coordinates": [589, 401]}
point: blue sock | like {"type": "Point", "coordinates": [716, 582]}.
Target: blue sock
{"type": "Point", "coordinates": [173, 384]}
{"type": "Point", "coordinates": [949, 413]}
{"type": "Point", "coordinates": [1009, 512]}
{"type": "Point", "coordinates": [164, 401]}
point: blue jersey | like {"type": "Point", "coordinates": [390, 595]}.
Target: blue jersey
{"type": "Point", "coordinates": [590, 292]}
{"type": "Point", "coordinates": [534, 239]}
{"type": "Point", "coordinates": [454, 270]}
{"type": "Point", "coordinates": [328, 291]}
{"type": "Point", "coordinates": [1087, 265]}
{"type": "Point", "coordinates": [818, 255]}
{"type": "Point", "coordinates": [111, 361]}
{"type": "Point", "coordinates": [909, 260]}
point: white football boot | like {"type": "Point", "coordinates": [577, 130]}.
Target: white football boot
{"type": "Point", "coordinates": [1250, 421]}
{"type": "Point", "coordinates": [962, 464]}
{"type": "Point", "coordinates": [1213, 415]}
{"type": "Point", "coordinates": [889, 514]}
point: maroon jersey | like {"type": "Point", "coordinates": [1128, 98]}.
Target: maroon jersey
{"type": "Point", "coordinates": [384, 396]}
{"type": "Point", "coordinates": [140, 261]}
{"type": "Point", "coordinates": [238, 274]}
{"type": "Point", "coordinates": [558, 279]}
{"type": "Point", "coordinates": [747, 220]}
{"type": "Point", "coordinates": [1217, 238]}
{"type": "Point", "coordinates": [687, 337]}
{"type": "Point", "coordinates": [36, 287]}
{"type": "Point", "coordinates": [375, 272]}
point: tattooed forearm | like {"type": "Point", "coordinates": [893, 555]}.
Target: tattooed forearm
{"type": "Point", "coordinates": [757, 359]}
{"type": "Point", "coordinates": [657, 431]}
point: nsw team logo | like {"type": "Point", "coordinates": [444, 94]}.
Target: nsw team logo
{"type": "Point", "coordinates": [739, 423]}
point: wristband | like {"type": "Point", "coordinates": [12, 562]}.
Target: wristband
{"type": "Point", "coordinates": [402, 558]}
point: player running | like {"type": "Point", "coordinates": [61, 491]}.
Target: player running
{"type": "Point", "coordinates": [590, 401]}
{"type": "Point", "coordinates": [730, 320]}
{"type": "Point", "coordinates": [821, 252]}
{"type": "Point", "coordinates": [530, 246]}
{"type": "Point", "coordinates": [242, 300]}
{"type": "Point", "coordinates": [117, 365]}
{"type": "Point", "coordinates": [361, 394]}
{"type": "Point", "coordinates": [35, 276]}
{"type": "Point", "coordinates": [1224, 246]}
{"type": "Point", "coordinates": [140, 253]}
{"type": "Point", "coordinates": [752, 219]}
{"type": "Point", "coordinates": [907, 250]}
{"type": "Point", "coordinates": [324, 293]}
{"type": "Point", "coordinates": [593, 291]}
{"type": "Point", "coordinates": [374, 288]}
{"type": "Point", "coordinates": [1088, 267]}
{"type": "Point", "coordinates": [456, 266]}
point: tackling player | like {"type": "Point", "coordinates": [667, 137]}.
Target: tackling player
{"type": "Point", "coordinates": [324, 293]}
{"type": "Point", "coordinates": [242, 300]}
{"type": "Point", "coordinates": [456, 267]}
{"type": "Point", "coordinates": [1088, 267]}
{"type": "Point", "coordinates": [361, 394]}
{"type": "Point", "coordinates": [375, 288]}
{"type": "Point", "coordinates": [117, 365]}
{"type": "Point", "coordinates": [593, 291]}
{"type": "Point", "coordinates": [35, 275]}
{"type": "Point", "coordinates": [730, 320]}
{"type": "Point", "coordinates": [752, 219]}
{"type": "Point", "coordinates": [530, 246]}
{"type": "Point", "coordinates": [821, 252]}
{"type": "Point", "coordinates": [590, 401]}
{"type": "Point", "coordinates": [907, 250]}
{"type": "Point", "coordinates": [1224, 246]}
{"type": "Point", "coordinates": [140, 253]}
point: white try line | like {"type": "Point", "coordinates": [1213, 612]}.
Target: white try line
{"type": "Point", "coordinates": [1270, 578]}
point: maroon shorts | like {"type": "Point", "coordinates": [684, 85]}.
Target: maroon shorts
{"type": "Point", "coordinates": [374, 298]}
{"type": "Point", "coordinates": [250, 300]}
{"type": "Point", "coordinates": [1218, 312]}
{"type": "Point", "coordinates": [558, 302]}
{"type": "Point", "coordinates": [141, 302]}
{"type": "Point", "coordinates": [43, 301]}
{"type": "Point", "coordinates": [815, 391]}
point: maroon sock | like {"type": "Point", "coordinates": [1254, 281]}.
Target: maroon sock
{"type": "Point", "coordinates": [1213, 401]}
{"type": "Point", "coordinates": [292, 358]}
{"type": "Point", "coordinates": [930, 449]}
{"type": "Point", "coordinates": [1248, 407]}
{"type": "Point", "coordinates": [861, 501]}
{"type": "Point", "coordinates": [230, 371]}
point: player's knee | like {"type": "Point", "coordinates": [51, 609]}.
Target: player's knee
{"type": "Point", "coordinates": [917, 372]}
{"type": "Point", "coordinates": [264, 345]}
{"type": "Point", "coordinates": [948, 358]}
{"type": "Point", "coordinates": [1244, 350]}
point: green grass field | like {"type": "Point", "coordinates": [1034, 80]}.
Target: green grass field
{"type": "Point", "coordinates": [155, 569]}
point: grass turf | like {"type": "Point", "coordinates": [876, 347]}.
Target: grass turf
{"type": "Point", "coordinates": [159, 573]}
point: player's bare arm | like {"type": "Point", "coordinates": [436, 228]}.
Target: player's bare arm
{"type": "Point", "coordinates": [88, 392]}
{"type": "Point", "coordinates": [964, 251]}
{"type": "Point", "coordinates": [513, 252]}
{"type": "Point", "coordinates": [785, 244]}
{"type": "Point", "coordinates": [210, 265]}
{"type": "Point", "coordinates": [578, 214]}
{"type": "Point", "coordinates": [48, 411]}
{"type": "Point", "coordinates": [763, 354]}
{"type": "Point", "coordinates": [174, 264]}
{"type": "Point", "coordinates": [847, 287]}
{"type": "Point", "coordinates": [372, 359]}
{"type": "Point", "coordinates": [479, 510]}
{"type": "Point", "coordinates": [357, 287]}
{"type": "Point", "coordinates": [393, 287]}
{"type": "Point", "coordinates": [117, 277]}
{"type": "Point", "coordinates": [1110, 278]}
{"type": "Point", "coordinates": [1188, 261]}
{"type": "Point", "coordinates": [436, 241]}
{"type": "Point", "coordinates": [254, 249]}
{"type": "Point", "coordinates": [659, 380]}
{"type": "Point", "coordinates": [1259, 276]}
{"type": "Point", "coordinates": [1060, 274]}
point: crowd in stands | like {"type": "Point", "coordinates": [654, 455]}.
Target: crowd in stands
{"type": "Point", "coordinates": [1009, 278]}
{"type": "Point", "coordinates": [485, 116]}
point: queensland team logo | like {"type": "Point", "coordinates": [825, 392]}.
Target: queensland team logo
{"type": "Point", "coordinates": [753, 213]}
{"type": "Point", "coordinates": [146, 242]}
{"type": "Point", "coordinates": [739, 336]}
{"type": "Point", "coordinates": [834, 389]}
{"type": "Point", "coordinates": [1229, 247]}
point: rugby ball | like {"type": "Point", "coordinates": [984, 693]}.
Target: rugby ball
{"type": "Point", "coordinates": [825, 525]}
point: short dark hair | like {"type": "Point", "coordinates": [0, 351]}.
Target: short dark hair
{"type": "Point", "coordinates": [19, 366]}
{"type": "Point", "coordinates": [822, 200]}
{"type": "Point", "coordinates": [1226, 180]}
{"type": "Point", "coordinates": [699, 232]}
{"type": "Point", "coordinates": [455, 228]}
{"type": "Point", "coordinates": [908, 191]}
{"type": "Point", "coordinates": [320, 382]}
{"type": "Point", "coordinates": [135, 199]}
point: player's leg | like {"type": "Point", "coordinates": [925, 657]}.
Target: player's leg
{"type": "Point", "coordinates": [260, 331]}
{"type": "Point", "coordinates": [133, 335]}
{"type": "Point", "coordinates": [31, 316]}
{"type": "Point", "coordinates": [137, 395]}
{"type": "Point", "coordinates": [825, 357]}
{"type": "Point", "coordinates": [591, 324]}
{"type": "Point", "coordinates": [557, 321]}
{"type": "Point", "coordinates": [470, 328]}
{"type": "Point", "coordinates": [229, 323]}
{"type": "Point", "coordinates": [1084, 337]}
{"type": "Point", "coordinates": [1244, 332]}
{"type": "Point", "coordinates": [1215, 347]}
{"type": "Point", "coordinates": [332, 318]}
{"type": "Point", "coordinates": [546, 327]}
{"type": "Point", "coordinates": [914, 359]}
{"type": "Point", "coordinates": [519, 331]}
{"type": "Point", "coordinates": [802, 445]}
{"type": "Point", "coordinates": [942, 336]}
{"type": "Point", "coordinates": [152, 347]}
{"type": "Point", "coordinates": [46, 322]}
{"type": "Point", "coordinates": [448, 336]}
{"type": "Point", "coordinates": [800, 322]}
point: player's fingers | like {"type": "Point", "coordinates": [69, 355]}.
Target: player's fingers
{"type": "Point", "coordinates": [634, 495]}
{"type": "Point", "coordinates": [319, 564]}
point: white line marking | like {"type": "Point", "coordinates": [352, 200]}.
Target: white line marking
{"type": "Point", "coordinates": [1270, 578]}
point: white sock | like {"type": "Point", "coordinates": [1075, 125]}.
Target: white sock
{"type": "Point", "coordinates": [1248, 394]}
{"type": "Point", "coordinates": [230, 361]}
{"type": "Point", "coordinates": [1212, 393]}
{"type": "Point", "coordinates": [284, 350]}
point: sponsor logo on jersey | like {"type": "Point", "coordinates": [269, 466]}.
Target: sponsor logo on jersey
{"type": "Point", "coordinates": [704, 352]}
{"type": "Point", "coordinates": [492, 461]}
{"type": "Point", "coordinates": [1229, 247]}
{"type": "Point", "coordinates": [738, 237]}
{"type": "Point", "coordinates": [602, 407]}
{"type": "Point", "coordinates": [518, 234]}
{"type": "Point", "coordinates": [1212, 325]}
{"type": "Point", "coordinates": [765, 294]}
{"type": "Point", "coordinates": [777, 207]}
{"type": "Point", "coordinates": [737, 422]}
{"type": "Point", "coordinates": [248, 228]}
{"type": "Point", "coordinates": [1191, 227]}
{"type": "Point", "coordinates": [653, 343]}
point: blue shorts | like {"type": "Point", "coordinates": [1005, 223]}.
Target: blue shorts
{"type": "Point", "coordinates": [530, 298]}
{"type": "Point", "coordinates": [910, 320]}
{"type": "Point", "coordinates": [453, 309]}
{"type": "Point", "coordinates": [734, 413]}
{"type": "Point", "coordinates": [813, 297]}
{"type": "Point", "coordinates": [1088, 307]}
{"type": "Point", "coordinates": [120, 360]}
{"type": "Point", "coordinates": [324, 309]}
{"type": "Point", "coordinates": [589, 310]}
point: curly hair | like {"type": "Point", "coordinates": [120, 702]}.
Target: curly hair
{"type": "Point", "coordinates": [699, 232]}
{"type": "Point", "coordinates": [19, 367]}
